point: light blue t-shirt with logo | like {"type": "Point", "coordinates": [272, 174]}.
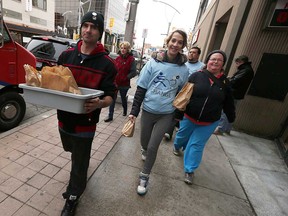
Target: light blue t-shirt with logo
{"type": "Point", "coordinates": [162, 80]}
{"type": "Point", "coordinates": [193, 67]}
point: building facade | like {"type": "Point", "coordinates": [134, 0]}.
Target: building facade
{"type": "Point", "coordinates": [68, 15]}
{"type": "Point", "coordinates": [114, 13]}
{"type": "Point", "coordinates": [25, 18]}
{"type": "Point", "coordinates": [258, 29]}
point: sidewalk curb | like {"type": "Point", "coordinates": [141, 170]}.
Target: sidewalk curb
{"type": "Point", "coordinates": [29, 122]}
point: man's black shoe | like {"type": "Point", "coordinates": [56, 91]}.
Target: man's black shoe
{"type": "Point", "coordinates": [124, 113]}
{"type": "Point", "coordinates": [69, 208]}
{"type": "Point", "coordinates": [108, 119]}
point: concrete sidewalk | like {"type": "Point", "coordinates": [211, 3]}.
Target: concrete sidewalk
{"type": "Point", "coordinates": [239, 175]}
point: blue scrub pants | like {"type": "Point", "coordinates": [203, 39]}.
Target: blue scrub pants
{"type": "Point", "coordinates": [193, 138]}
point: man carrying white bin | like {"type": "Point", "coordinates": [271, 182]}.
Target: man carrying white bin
{"type": "Point", "coordinates": [92, 68]}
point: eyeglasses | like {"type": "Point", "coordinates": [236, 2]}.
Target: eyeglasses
{"type": "Point", "coordinates": [216, 60]}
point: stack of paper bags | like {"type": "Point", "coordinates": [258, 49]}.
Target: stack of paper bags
{"type": "Point", "coordinates": [57, 78]}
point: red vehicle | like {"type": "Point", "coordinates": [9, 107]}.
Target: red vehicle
{"type": "Point", "coordinates": [12, 58]}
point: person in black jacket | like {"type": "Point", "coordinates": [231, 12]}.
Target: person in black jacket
{"type": "Point", "coordinates": [240, 82]}
{"type": "Point", "coordinates": [211, 94]}
{"type": "Point", "coordinates": [92, 68]}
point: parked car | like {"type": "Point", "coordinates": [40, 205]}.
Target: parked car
{"type": "Point", "coordinates": [47, 49]}
{"type": "Point", "coordinates": [139, 64]}
{"type": "Point", "coordinates": [113, 55]}
{"type": "Point", "coordinates": [137, 56]}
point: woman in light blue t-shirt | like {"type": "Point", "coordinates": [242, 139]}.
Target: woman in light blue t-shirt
{"type": "Point", "coordinates": [160, 80]}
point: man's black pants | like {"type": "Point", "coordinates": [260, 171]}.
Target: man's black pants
{"type": "Point", "coordinates": [80, 149]}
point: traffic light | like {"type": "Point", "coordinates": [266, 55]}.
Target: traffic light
{"type": "Point", "coordinates": [111, 23]}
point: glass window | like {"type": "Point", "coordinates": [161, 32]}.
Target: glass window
{"type": "Point", "coordinates": [13, 14]}
{"type": "Point", "coordinates": [6, 35]}
{"type": "Point", "coordinates": [38, 21]}
{"type": "Point", "coordinates": [42, 4]}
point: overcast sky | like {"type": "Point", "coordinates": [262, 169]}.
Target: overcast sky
{"type": "Point", "coordinates": [155, 17]}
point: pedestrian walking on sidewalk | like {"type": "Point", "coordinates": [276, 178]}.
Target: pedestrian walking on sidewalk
{"type": "Point", "coordinates": [92, 68]}
{"type": "Point", "coordinates": [193, 65]}
{"type": "Point", "coordinates": [240, 82]}
{"type": "Point", "coordinates": [211, 94]}
{"type": "Point", "coordinates": [159, 81]}
{"type": "Point", "coordinates": [126, 65]}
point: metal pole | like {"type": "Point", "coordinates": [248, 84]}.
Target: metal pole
{"type": "Point", "coordinates": [1, 25]}
{"type": "Point", "coordinates": [79, 17]}
{"type": "Point", "coordinates": [168, 5]}
{"type": "Point", "coordinates": [142, 54]}
{"type": "Point", "coordinates": [169, 25]}
{"type": "Point", "coordinates": [129, 31]}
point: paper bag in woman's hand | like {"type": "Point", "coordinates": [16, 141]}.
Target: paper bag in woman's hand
{"type": "Point", "coordinates": [128, 129]}
{"type": "Point", "coordinates": [183, 97]}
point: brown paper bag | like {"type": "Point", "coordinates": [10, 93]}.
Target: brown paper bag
{"type": "Point", "coordinates": [33, 77]}
{"type": "Point", "coordinates": [59, 78]}
{"type": "Point", "coordinates": [183, 97]}
{"type": "Point", "coordinates": [128, 129]}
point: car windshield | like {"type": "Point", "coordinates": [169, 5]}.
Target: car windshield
{"type": "Point", "coordinates": [46, 49]}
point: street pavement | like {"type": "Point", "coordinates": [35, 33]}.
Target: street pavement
{"type": "Point", "coordinates": [34, 110]}
{"type": "Point", "coordinates": [240, 174]}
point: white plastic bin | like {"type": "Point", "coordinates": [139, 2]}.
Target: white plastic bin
{"type": "Point", "coordinates": [59, 100]}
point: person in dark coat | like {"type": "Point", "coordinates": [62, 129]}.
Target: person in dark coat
{"type": "Point", "coordinates": [211, 94]}
{"type": "Point", "coordinates": [240, 83]}
{"type": "Point", "coordinates": [126, 65]}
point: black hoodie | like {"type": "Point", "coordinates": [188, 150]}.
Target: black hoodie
{"type": "Point", "coordinates": [96, 71]}
{"type": "Point", "coordinates": [209, 98]}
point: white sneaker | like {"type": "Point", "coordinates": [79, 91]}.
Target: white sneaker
{"type": "Point", "coordinates": [143, 183]}
{"type": "Point", "coordinates": [176, 151]}
{"type": "Point", "coordinates": [167, 136]}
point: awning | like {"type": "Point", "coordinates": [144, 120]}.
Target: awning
{"type": "Point", "coordinates": [18, 28]}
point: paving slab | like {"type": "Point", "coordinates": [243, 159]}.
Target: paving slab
{"type": "Point", "coordinates": [266, 190]}
{"type": "Point", "coordinates": [253, 151]}
{"type": "Point", "coordinates": [261, 170]}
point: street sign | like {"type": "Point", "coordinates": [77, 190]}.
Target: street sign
{"type": "Point", "coordinates": [144, 33]}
